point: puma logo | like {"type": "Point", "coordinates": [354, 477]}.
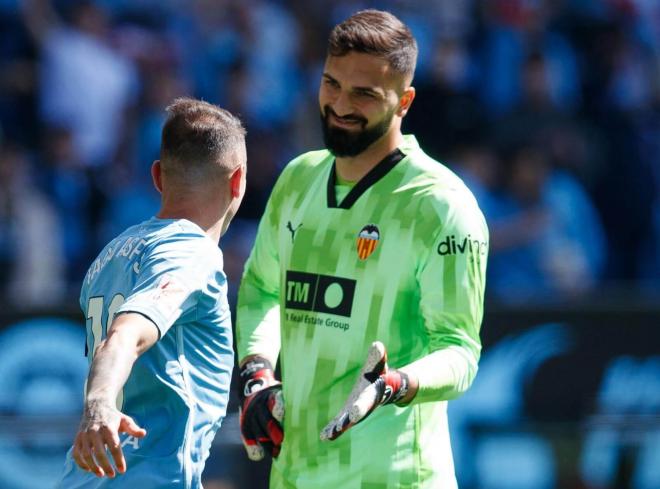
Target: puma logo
{"type": "Point", "coordinates": [289, 226]}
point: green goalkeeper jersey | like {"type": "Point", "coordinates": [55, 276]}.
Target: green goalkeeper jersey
{"type": "Point", "coordinates": [400, 258]}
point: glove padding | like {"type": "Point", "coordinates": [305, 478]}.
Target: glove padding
{"type": "Point", "coordinates": [376, 385]}
{"type": "Point", "coordinates": [262, 409]}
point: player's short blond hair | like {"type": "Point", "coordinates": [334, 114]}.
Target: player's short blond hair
{"type": "Point", "coordinates": [200, 141]}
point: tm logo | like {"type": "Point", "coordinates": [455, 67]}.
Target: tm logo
{"type": "Point", "coordinates": [319, 293]}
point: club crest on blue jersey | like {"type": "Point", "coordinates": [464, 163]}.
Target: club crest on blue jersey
{"type": "Point", "coordinates": [367, 241]}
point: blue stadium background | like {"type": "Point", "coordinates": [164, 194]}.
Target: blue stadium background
{"type": "Point", "coordinates": [549, 109]}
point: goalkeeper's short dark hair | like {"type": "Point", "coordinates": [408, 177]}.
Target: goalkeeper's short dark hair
{"type": "Point", "coordinates": [377, 33]}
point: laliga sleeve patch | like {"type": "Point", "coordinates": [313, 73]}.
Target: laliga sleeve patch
{"type": "Point", "coordinates": [169, 295]}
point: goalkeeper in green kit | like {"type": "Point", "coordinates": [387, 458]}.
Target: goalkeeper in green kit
{"type": "Point", "coordinates": [366, 281]}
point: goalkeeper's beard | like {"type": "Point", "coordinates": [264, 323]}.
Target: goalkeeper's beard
{"type": "Point", "coordinates": [344, 143]}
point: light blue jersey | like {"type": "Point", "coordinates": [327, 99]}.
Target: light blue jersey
{"type": "Point", "coordinates": [170, 272]}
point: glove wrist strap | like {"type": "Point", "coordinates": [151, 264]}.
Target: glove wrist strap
{"type": "Point", "coordinates": [256, 374]}
{"type": "Point", "coordinates": [396, 386]}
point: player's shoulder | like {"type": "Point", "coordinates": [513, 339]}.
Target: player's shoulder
{"type": "Point", "coordinates": [438, 191]}
{"type": "Point", "coordinates": [310, 159]}
{"type": "Point", "coordinates": [175, 238]}
{"type": "Point", "coordinates": [182, 245]}
{"type": "Point", "coordinates": [307, 164]}
{"type": "Point", "coordinates": [188, 235]}
{"type": "Point", "coordinates": [299, 173]}
{"type": "Point", "coordinates": [431, 179]}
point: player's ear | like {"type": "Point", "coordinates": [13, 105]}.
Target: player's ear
{"type": "Point", "coordinates": [237, 182]}
{"type": "Point", "coordinates": [157, 176]}
{"type": "Point", "coordinates": [405, 101]}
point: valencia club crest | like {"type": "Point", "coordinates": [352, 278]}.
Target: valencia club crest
{"type": "Point", "coordinates": [367, 241]}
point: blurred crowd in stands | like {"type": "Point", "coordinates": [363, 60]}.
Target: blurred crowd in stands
{"type": "Point", "coordinates": [549, 109]}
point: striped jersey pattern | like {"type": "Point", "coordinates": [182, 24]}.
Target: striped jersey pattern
{"type": "Point", "coordinates": [371, 266]}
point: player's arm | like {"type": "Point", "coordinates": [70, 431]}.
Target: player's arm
{"type": "Point", "coordinates": [258, 309]}
{"type": "Point", "coordinates": [258, 344]}
{"type": "Point", "coordinates": [451, 300]}
{"type": "Point", "coordinates": [169, 278]}
{"type": "Point", "coordinates": [262, 408]}
{"type": "Point", "coordinates": [452, 290]}
{"type": "Point", "coordinates": [130, 335]}
{"type": "Point", "coordinates": [258, 336]}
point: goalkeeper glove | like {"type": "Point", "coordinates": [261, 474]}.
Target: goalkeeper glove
{"type": "Point", "coordinates": [377, 385]}
{"type": "Point", "coordinates": [262, 409]}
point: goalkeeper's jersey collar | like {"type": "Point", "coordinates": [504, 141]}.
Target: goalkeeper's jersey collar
{"type": "Point", "coordinates": [374, 175]}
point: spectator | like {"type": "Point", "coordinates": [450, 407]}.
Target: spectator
{"type": "Point", "coordinates": [478, 166]}
{"type": "Point", "coordinates": [514, 29]}
{"type": "Point", "coordinates": [574, 77]}
{"type": "Point", "coordinates": [33, 250]}
{"type": "Point", "coordinates": [17, 80]}
{"type": "Point", "coordinates": [452, 113]}
{"type": "Point", "coordinates": [546, 239]}
{"type": "Point", "coordinates": [85, 84]}
{"type": "Point", "coordinates": [63, 179]}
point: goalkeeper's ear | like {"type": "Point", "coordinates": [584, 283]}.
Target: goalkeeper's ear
{"type": "Point", "coordinates": [405, 101]}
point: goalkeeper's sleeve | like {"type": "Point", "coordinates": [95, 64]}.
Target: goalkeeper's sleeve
{"type": "Point", "coordinates": [258, 313]}
{"type": "Point", "coordinates": [452, 277]}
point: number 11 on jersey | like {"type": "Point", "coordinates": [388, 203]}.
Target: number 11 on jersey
{"type": "Point", "coordinates": [99, 328]}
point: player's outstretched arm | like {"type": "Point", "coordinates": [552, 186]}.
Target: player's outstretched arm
{"type": "Point", "coordinates": [376, 385]}
{"type": "Point", "coordinates": [130, 335]}
{"type": "Point", "coordinates": [262, 408]}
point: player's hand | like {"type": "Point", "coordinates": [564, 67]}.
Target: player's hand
{"type": "Point", "coordinates": [99, 433]}
{"type": "Point", "coordinates": [375, 386]}
{"type": "Point", "coordinates": [262, 409]}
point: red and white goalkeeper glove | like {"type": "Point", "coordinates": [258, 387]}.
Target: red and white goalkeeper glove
{"type": "Point", "coordinates": [262, 409]}
{"type": "Point", "coordinates": [376, 385]}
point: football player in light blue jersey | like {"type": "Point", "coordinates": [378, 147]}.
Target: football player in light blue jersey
{"type": "Point", "coordinates": [158, 324]}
